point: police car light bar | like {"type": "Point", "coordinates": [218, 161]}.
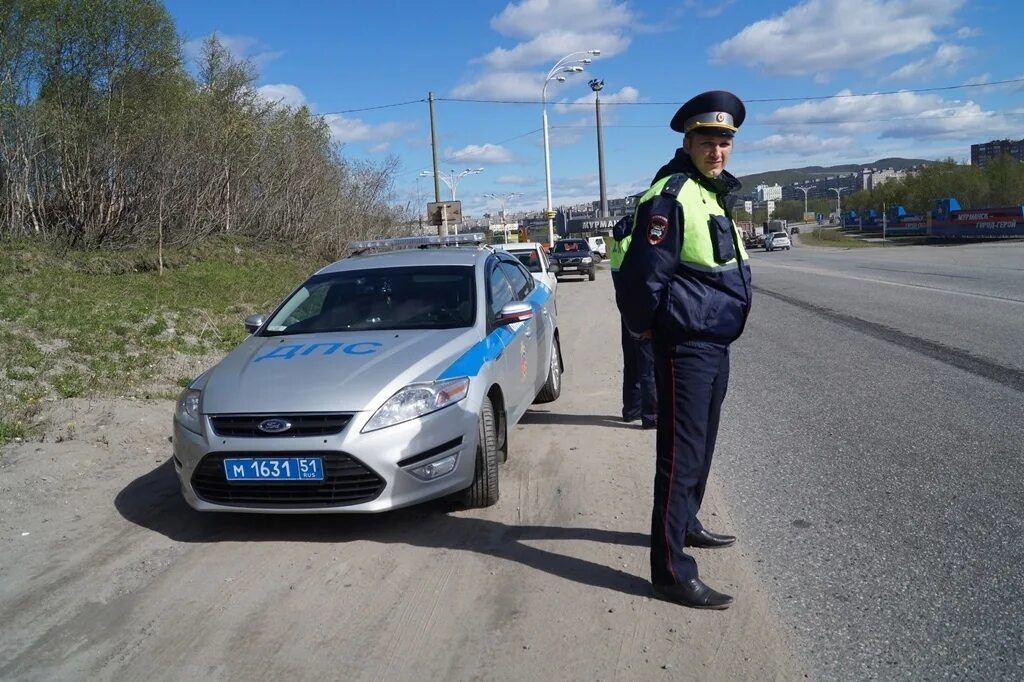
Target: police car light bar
{"type": "Point", "coordinates": [418, 242]}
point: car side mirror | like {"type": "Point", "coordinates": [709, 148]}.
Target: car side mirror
{"type": "Point", "coordinates": [514, 312]}
{"type": "Point", "coordinates": [254, 322]}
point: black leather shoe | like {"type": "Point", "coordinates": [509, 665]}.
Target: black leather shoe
{"type": "Point", "coordinates": [647, 426]}
{"type": "Point", "coordinates": [708, 540]}
{"type": "Point", "coordinates": [693, 593]}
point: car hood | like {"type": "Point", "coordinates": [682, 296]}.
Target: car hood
{"type": "Point", "coordinates": [336, 372]}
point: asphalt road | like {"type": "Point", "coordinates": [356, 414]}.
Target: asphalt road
{"type": "Point", "coordinates": [878, 475]}
{"type": "Point", "coordinates": [869, 461]}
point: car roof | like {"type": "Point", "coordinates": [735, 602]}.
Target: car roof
{"type": "Point", "coordinates": [448, 255]}
{"type": "Point", "coordinates": [517, 246]}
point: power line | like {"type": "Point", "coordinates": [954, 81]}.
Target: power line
{"type": "Point", "coordinates": [766, 99]}
{"type": "Point", "coordinates": [467, 100]}
{"type": "Point", "coordinates": [379, 106]}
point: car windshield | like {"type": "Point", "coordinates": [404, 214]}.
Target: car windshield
{"type": "Point", "coordinates": [570, 247]}
{"type": "Point", "coordinates": [421, 297]}
{"type": "Point", "coordinates": [529, 258]}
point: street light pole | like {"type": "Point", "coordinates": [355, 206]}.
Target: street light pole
{"type": "Point", "coordinates": [839, 205]}
{"type": "Point", "coordinates": [501, 199]}
{"type": "Point", "coordinates": [805, 190]}
{"type": "Point", "coordinates": [452, 178]}
{"type": "Point", "coordinates": [560, 67]}
{"type": "Point", "coordinates": [596, 86]}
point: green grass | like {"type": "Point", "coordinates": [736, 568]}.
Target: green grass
{"type": "Point", "coordinates": [106, 324]}
{"type": "Point", "coordinates": [829, 237]}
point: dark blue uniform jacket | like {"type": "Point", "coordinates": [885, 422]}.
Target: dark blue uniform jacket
{"type": "Point", "coordinates": [656, 292]}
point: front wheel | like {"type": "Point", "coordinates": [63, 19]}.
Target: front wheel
{"type": "Point", "coordinates": [483, 492]}
{"type": "Point", "coordinates": [553, 386]}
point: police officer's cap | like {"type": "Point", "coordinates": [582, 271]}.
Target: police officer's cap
{"type": "Point", "coordinates": [715, 112]}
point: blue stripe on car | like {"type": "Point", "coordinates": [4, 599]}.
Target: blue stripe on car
{"type": "Point", "coordinates": [492, 345]}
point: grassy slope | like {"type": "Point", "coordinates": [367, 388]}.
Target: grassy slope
{"type": "Point", "coordinates": [82, 324]}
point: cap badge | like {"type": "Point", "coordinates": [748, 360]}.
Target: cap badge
{"type": "Point", "coordinates": [720, 117]}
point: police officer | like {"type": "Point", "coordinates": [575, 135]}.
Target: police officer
{"type": "Point", "coordinates": [687, 281]}
{"type": "Point", "coordinates": [639, 400]}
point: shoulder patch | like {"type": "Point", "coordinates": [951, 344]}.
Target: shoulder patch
{"type": "Point", "coordinates": [657, 228]}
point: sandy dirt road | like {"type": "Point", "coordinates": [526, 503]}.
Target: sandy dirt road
{"type": "Point", "coordinates": [105, 573]}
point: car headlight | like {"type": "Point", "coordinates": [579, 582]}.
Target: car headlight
{"type": "Point", "coordinates": [416, 400]}
{"type": "Point", "coordinates": [588, 259]}
{"type": "Point", "coordinates": [187, 410]}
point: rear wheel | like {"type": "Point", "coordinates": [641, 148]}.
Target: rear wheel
{"type": "Point", "coordinates": [483, 492]}
{"type": "Point", "coordinates": [553, 386]}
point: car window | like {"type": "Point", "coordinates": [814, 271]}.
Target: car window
{"type": "Point", "coordinates": [499, 290]}
{"type": "Point", "coordinates": [421, 297]}
{"type": "Point", "coordinates": [566, 246]}
{"type": "Point", "coordinates": [530, 259]}
{"type": "Point", "coordinates": [521, 280]}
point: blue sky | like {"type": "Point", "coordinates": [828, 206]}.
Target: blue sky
{"type": "Point", "coordinates": [787, 59]}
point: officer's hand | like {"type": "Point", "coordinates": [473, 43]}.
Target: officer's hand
{"type": "Point", "coordinates": [647, 335]}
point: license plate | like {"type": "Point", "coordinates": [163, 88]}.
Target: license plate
{"type": "Point", "coordinates": [568, 267]}
{"type": "Point", "coordinates": [274, 469]}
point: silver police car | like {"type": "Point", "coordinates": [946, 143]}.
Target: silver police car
{"type": "Point", "coordinates": [386, 379]}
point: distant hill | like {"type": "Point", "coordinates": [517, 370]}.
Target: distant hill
{"type": "Point", "coordinates": [790, 176]}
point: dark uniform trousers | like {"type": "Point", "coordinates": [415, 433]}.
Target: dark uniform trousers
{"type": "Point", "coordinates": [639, 400]}
{"type": "Point", "coordinates": [692, 379]}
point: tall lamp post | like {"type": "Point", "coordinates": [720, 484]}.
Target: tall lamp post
{"type": "Point", "coordinates": [503, 199]}
{"type": "Point", "coordinates": [452, 178]}
{"type": "Point", "coordinates": [567, 64]}
{"type": "Point", "coordinates": [805, 190]}
{"type": "Point", "coordinates": [596, 85]}
{"type": "Point", "coordinates": [839, 204]}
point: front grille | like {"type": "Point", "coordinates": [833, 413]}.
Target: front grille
{"type": "Point", "coordinates": [247, 425]}
{"type": "Point", "coordinates": [346, 481]}
{"type": "Point", "coordinates": [570, 261]}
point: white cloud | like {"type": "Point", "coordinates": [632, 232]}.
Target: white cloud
{"type": "Point", "coordinates": [549, 30]}
{"type": "Point", "coordinates": [379, 148]}
{"type": "Point", "coordinates": [902, 115]}
{"type": "Point", "coordinates": [522, 19]}
{"type": "Point", "coordinates": [982, 87]}
{"type": "Point", "coordinates": [282, 93]}
{"type": "Point", "coordinates": [503, 85]}
{"type": "Point", "coordinates": [707, 10]}
{"type": "Point", "coordinates": [485, 153]}
{"type": "Point", "coordinates": [947, 58]}
{"type": "Point", "coordinates": [517, 180]}
{"type": "Point", "coordinates": [966, 32]}
{"type": "Point", "coordinates": [819, 36]}
{"type": "Point", "coordinates": [552, 45]}
{"type": "Point", "coordinates": [240, 47]}
{"type": "Point", "coordinates": [801, 144]}
{"type": "Point", "coordinates": [345, 129]}
{"type": "Point", "coordinates": [627, 94]}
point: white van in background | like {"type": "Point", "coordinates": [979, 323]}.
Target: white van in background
{"type": "Point", "coordinates": [597, 246]}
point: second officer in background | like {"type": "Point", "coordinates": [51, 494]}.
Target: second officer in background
{"type": "Point", "coordinates": [685, 283]}
{"type": "Point", "coordinates": [639, 399]}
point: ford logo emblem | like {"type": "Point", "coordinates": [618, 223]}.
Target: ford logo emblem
{"type": "Point", "coordinates": [274, 426]}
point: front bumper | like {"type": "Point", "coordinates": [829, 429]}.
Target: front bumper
{"type": "Point", "coordinates": [369, 460]}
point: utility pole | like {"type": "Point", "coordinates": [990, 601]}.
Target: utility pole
{"type": "Point", "coordinates": [443, 229]}
{"type": "Point", "coordinates": [596, 86]}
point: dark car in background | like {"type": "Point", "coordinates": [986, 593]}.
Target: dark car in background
{"type": "Point", "coordinates": [571, 257]}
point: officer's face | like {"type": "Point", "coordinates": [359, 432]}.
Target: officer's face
{"type": "Point", "coordinates": [710, 153]}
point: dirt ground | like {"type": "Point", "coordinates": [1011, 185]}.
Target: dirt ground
{"type": "Point", "coordinates": [105, 573]}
